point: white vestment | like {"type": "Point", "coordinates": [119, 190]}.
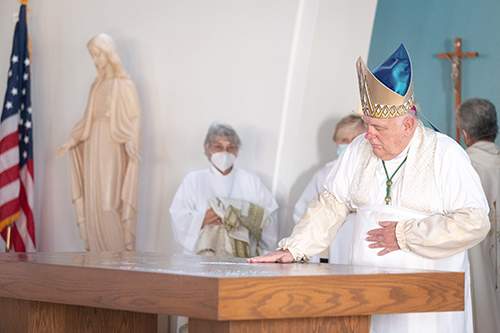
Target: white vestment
{"type": "Point", "coordinates": [483, 258]}
{"type": "Point", "coordinates": [338, 252]}
{"type": "Point", "coordinates": [437, 200]}
{"type": "Point", "coordinates": [190, 203]}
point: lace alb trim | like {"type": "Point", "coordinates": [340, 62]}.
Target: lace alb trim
{"type": "Point", "coordinates": [418, 180]}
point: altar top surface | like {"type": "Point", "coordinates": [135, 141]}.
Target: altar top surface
{"type": "Point", "coordinates": [193, 265]}
{"type": "Point", "coordinates": [217, 288]}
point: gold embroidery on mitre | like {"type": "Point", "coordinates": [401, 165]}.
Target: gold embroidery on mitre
{"type": "Point", "coordinates": [395, 105]}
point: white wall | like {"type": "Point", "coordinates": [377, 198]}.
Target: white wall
{"type": "Point", "coordinates": [280, 71]}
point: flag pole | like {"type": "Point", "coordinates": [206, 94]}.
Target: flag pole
{"type": "Point", "coordinates": [7, 241]}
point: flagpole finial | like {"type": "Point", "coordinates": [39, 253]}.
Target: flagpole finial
{"type": "Point", "coordinates": [24, 2]}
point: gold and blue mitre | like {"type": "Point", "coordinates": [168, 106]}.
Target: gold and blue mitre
{"type": "Point", "coordinates": [387, 91]}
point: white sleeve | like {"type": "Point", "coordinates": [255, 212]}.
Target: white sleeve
{"type": "Point", "coordinates": [317, 228]}
{"type": "Point", "coordinates": [464, 221]}
{"type": "Point", "coordinates": [186, 220]}
{"type": "Point", "coordinates": [443, 236]}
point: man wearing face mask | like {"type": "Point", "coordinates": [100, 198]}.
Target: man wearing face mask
{"type": "Point", "coordinates": [346, 130]}
{"type": "Point", "coordinates": [223, 210]}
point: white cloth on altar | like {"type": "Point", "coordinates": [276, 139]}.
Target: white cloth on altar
{"type": "Point", "coordinates": [338, 252]}
{"type": "Point", "coordinates": [455, 203]}
{"type": "Point", "coordinates": [483, 258]}
{"type": "Point", "coordinates": [218, 240]}
{"type": "Point", "coordinates": [191, 203]}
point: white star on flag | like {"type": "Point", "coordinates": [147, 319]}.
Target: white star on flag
{"type": "Point", "coordinates": [27, 62]}
{"type": "Point", "coordinates": [22, 106]}
{"type": "Point", "coordinates": [29, 109]}
{"type": "Point", "coordinates": [26, 139]}
{"type": "Point", "coordinates": [25, 154]}
{"type": "Point", "coordinates": [23, 91]}
{"type": "Point", "coordinates": [14, 91]}
{"type": "Point", "coordinates": [15, 58]}
{"type": "Point", "coordinates": [8, 105]}
{"type": "Point", "coordinates": [25, 76]}
{"type": "Point", "coordinates": [28, 124]}
{"type": "Point", "coordinates": [10, 73]}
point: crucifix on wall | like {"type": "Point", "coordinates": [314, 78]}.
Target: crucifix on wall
{"type": "Point", "coordinates": [456, 73]}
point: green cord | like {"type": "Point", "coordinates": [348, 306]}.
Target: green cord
{"type": "Point", "coordinates": [389, 180]}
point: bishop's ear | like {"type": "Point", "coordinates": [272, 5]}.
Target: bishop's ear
{"type": "Point", "coordinates": [409, 124]}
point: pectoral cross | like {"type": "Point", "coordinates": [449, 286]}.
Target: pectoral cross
{"type": "Point", "coordinates": [456, 73]}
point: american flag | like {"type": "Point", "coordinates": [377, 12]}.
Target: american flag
{"type": "Point", "coordinates": [16, 146]}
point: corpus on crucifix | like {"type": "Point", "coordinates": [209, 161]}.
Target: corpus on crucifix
{"type": "Point", "coordinates": [456, 73]}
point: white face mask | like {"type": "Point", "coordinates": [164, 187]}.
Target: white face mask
{"type": "Point", "coordinates": [222, 160]}
{"type": "Point", "coordinates": [341, 148]}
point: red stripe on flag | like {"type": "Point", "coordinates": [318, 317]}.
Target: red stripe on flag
{"type": "Point", "coordinates": [30, 224]}
{"type": "Point", "coordinates": [9, 208]}
{"type": "Point", "coordinates": [9, 175]}
{"type": "Point", "coordinates": [17, 241]}
{"type": "Point", "coordinates": [8, 142]}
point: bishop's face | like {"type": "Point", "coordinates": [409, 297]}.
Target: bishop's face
{"type": "Point", "coordinates": [388, 137]}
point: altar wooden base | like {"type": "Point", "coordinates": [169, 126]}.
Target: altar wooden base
{"type": "Point", "coordinates": [352, 324]}
{"type": "Point", "coordinates": [22, 316]}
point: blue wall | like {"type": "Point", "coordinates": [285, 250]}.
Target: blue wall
{"type": "Point", "coordinates": [429, 27]}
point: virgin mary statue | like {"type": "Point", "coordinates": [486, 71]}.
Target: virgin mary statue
{"type": "Point", "coordinates": [104, 155]}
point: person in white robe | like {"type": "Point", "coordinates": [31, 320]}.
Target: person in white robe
{"type": "Point", "coordinates": [477, 121]}
{"type": "Point", "coordinates": [190, 210]}
{"type": "Point", "coordinates": [346, 130]}
{"type": "Point", "coordinates": [415, 192]}
{"type": "Point", "coordinates": [104, 155]}
{"type": "Point", "coordinates": [193, 210]}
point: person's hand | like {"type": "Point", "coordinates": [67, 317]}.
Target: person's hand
{"type": "Point", "coordinates": [211, 219]}
{"type": "Point", "coordinates": [384, 237]}
{"type": "Point", "coordinates": [281, 256]}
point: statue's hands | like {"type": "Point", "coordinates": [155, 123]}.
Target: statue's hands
{"type": "Point", "coordinates": [63, 150]}
{"type": "Point", "coordinates": [131, 152]}
{"type": "Point", "coordinates": [281, 256]}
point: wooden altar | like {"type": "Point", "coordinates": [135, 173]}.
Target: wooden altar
{"type": "Point", "coordinates": [124, 292]}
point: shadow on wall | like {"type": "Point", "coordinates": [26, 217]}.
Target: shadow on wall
{"type": "Point", "coordinates": [327, 151]}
